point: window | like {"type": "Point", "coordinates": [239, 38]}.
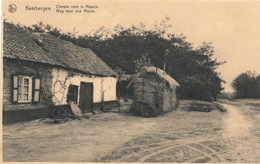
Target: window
{"type": "Point", "coordinates": [26, 89]}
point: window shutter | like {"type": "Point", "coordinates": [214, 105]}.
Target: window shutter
{"type": "Point", "coordinates": [14, 89]}
{"type": "Point", "coordinates": [36, 90]}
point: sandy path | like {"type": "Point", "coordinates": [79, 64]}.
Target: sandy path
{"type": "Point", "coordinates": [103, 142]}
{"type": "Point", "coordinates": [234, 143]}
{"type": "Point", "coordinates": [243, 145]}
{"type": "Point", "coordinates": [235, 124]}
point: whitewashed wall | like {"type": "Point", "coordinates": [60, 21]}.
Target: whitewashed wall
{"type": "Point", "coordinates": [61, 82]}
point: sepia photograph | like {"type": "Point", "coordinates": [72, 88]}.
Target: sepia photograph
{"type": "Point", "coordinates": [120, 81]}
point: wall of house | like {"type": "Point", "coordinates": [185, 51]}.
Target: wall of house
{"type": "Point", "coordinates": [14, 112]}
{"type": "Point", "coordinates": [12, 67]}
{"type": "Point", "coordinates": [63, 78]}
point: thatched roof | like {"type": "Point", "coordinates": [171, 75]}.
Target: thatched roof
{"type": "Point", "coordinates": [157, 71]}
{"type": "Point", "coordinates": [23, 44]}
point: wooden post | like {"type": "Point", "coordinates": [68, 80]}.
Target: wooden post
{"type": "Point", "coordinates": [164, 65]}
{"type": "Point", "coordinates": [119, 109]}
{"type": "Point", "coordinates": [102, 101]}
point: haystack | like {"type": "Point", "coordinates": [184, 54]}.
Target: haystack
{"type": "Point", "coordinates": [154, 92]}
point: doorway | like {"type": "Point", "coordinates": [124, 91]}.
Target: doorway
{"type": "Point", "coordinates": [72, 94]}
{"type": "Point", "coordinates": [86, 97]}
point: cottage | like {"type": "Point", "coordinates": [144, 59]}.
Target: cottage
{"type": "Point", "coordinates": [41, 70]}
{"type": "Point", "coordinates": [154, 92]}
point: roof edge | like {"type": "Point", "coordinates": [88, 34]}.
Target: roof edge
{"type": "Point", "coordinates": [62, 67]}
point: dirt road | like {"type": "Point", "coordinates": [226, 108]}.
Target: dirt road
{"type": "Point", "coordinates": [229, 140]}
{"type": "Point", "coordinates": [239, 133]}
{"type": "Point", "coordinates": [178, 136]}
{"type": "Point", "coordinates": [235, 125]}
{"type": "Point", "coordinates": [75, 140]}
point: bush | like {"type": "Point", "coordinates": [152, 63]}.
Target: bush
{"type": "Point", "coordinates": [200, 106]}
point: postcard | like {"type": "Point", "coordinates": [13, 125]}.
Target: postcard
{"type": "Point", "coordinates": [142, 81]}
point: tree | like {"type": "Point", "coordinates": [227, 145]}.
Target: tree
{"type": "Point", "coordinates": [141, 62]}
{"type": "Point", "coordinates": [247, 85]}
{"type": "Point", "coordinates": [258, 86]}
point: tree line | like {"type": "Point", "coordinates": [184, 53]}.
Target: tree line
{"type": "Point", "coordinates": [127, 50]}
{"type": "Point", "coordinates": [247, 85]}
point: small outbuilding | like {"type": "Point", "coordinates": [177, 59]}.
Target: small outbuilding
{"type": "Point", "coordinates": [154, 92]}
{"type": "Point", "coordinates": [41, 71]}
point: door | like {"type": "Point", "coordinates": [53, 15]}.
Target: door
{"type": "Point", "coordinates": [86, 97]}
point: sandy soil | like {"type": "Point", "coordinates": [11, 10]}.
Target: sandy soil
{"type": "Point", "coordinates": [75, 140]}
{"type": "Point", "coordinates": [235, 125]}
{"type": "Point", "coordinates": [241, 130]}
{"type": "Point", "coordinates": [178, 136]}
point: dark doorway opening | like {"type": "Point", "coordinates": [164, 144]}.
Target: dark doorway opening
{"type": "Point", "coordinates": [72, 94]}
{"type": "Point", "coordinates": [86, 97]}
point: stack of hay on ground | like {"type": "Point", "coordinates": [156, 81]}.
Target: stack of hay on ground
{"type": "Point", "coordinates": [154, 92]}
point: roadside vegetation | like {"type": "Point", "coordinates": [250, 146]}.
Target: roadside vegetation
{"type": "Point", "coordinates": [200, 106]}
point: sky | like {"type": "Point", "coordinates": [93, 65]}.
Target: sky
{"type": "Point", "coordinates": [232, 26]}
